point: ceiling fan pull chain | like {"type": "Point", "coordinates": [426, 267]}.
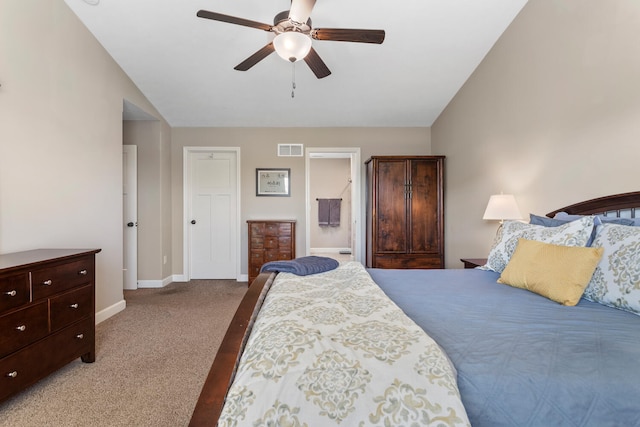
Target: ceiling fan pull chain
{"type": "Point", "coordinates": [293, 79]}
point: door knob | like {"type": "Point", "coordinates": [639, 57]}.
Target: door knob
{"type": "Point", "coordinates": [129, 224]}
{"type": "Point", "coordinates": [193, 221]}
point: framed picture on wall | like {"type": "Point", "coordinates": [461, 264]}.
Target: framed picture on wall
{"type": "Point", "coordinates": [273, 182]}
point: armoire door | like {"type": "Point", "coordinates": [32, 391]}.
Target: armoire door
{"type": "Point", "coordinates": [424, 207]}
{"type": "Point", "coordinates": [391, 207]}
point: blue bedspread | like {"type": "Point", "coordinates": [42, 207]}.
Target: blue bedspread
{"type": "Point", "coordinates": [522, 359]}
{"type": "Point", "coordinates": [302, 266]}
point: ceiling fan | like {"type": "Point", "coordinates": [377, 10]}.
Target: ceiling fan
{"type": "Point", "coordinates": [293, 36]}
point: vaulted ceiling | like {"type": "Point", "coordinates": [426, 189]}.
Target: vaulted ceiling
{"type": "Point", "coordinates": [185, 65]}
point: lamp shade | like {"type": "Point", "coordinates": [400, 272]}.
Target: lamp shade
{"type": "Point", "coordinates": [501, 207]}
{"type": "Point", "coordinates": [292, 45]}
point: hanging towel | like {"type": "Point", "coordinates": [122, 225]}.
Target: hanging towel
{"type": "Point", "coordinates": [323, 212]}
{"type": "Point", "coordinates": [329, 212]}
{"type": "Point", "coordinates": [334, 212]}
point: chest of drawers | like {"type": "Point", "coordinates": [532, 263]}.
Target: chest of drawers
{"type": "Point", "coordinates": [270, 241]}
{"type": "Point", "coordinates": [47, 314]}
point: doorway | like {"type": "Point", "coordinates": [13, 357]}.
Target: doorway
{"type": "Point", "coordinates": [141, 134]}
{"type": "Point", "coordinates": [211, 213]}
{"type": "Point", "coordinates": [333, 173]}
{"type": "Point", "coordinates": [130, 216]}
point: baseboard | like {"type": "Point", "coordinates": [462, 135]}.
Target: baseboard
{"type": "Point", "coordinates": [328, 250]}
{"type": "Point", "coordinates": [116, 308]}
{"type": "Point", "coordinates": [155, 283]}
{"type": "Point", "coordinates": [176, 278]}
{"type": "Point", "coordinates": [183, 278]}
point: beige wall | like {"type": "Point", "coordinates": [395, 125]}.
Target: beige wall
{"type": "Point", "coordinates": [61, 138]}
{"type": "Point", "coordinates": [329, 179]}
{"type": "Point", "coordinates": [551, 115]}
{"type": "Point", "coordinates": [258, 149]}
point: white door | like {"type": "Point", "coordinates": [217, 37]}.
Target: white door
{"type": "Point", "coordinates": [130, 215]}
{"type": "Point", "coordinates": [213, 233]}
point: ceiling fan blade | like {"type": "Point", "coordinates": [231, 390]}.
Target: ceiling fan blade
{"type": "Point", "coordinates": [233, 20]}
{"type": "Point", "coordinates": [316, 64]}
{"type": "Point", "coordinates": [348, 35]}
{"type": "Point", "coordinates": [255, 58]}
{"type": "Point", "coordinates": [301, 10]}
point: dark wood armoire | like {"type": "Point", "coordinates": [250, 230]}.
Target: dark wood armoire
{"type": "Point", "coordinates": [405, 212]}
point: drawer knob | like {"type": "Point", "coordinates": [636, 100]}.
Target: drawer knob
{"type": "Point", "coordinates": [11, 293]}
{"type": "Point", "coordinates": [22, 328]}
{"type": "Point", "coordinates": [47, 282]}
{"type": "Point", "coordinates": [80, 336]}
{"type": "Point", "coordinates": [12, 374]}
{"type": "Point", "coordinates": [82, 272]}
{"type": "Point", "coordinates": [74, 305]}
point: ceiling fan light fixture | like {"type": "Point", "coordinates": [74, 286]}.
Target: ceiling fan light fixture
{"type": "Point", "coordinates": [292, 45]}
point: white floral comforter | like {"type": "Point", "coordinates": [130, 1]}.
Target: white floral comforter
{"type": "Point", "coordinates": [333, 349]}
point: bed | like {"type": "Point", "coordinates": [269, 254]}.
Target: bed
{"type": "Point", "coordinates": [498, 355]}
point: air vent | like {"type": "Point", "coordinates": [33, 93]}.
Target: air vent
{"type": "Point", "coordinates": [289, 150]}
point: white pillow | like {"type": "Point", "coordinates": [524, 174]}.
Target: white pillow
{"type": "Point", "coordinates": [574, 233]}
{"type": "Point", "coordinates": [616, 280]}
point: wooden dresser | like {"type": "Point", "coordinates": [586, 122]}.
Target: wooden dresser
{"type": "Point", "coordinates": [405, 212]}
{"type": "Point", "coordinates": [270, 241]}
{"type": "Point", "coordinates": [47, 314]}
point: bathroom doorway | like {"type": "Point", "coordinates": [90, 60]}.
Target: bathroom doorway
{"type": "Point", "coordinates": [333, 203]}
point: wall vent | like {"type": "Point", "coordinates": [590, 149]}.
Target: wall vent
{"type": "Point", "coordinates": [290, 150]}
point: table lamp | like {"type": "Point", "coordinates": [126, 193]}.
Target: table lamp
{"type": "Point", "coordinates": [501, 207]}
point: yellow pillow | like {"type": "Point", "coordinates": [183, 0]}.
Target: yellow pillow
{"type": "Point", "coordinates": [560, 273]}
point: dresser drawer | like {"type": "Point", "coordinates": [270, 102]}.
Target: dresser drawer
{"type": "Point", "coordinates": [271, 229]}
{"type": "Point", "coordinates": [22, 327]}
{"type": "Point", "coordinates": [257, 243]}
{"type": "Point", "coordinates": [284, 242]}
{"type": "Point", "coordinates": [71, 307]}
{"type": "Point", "coordinates": [256, 257]}
{"type": "Point", "coordinates": [284, 229]}
{"type": "Point", "coordinates": [254, 270]}
{"type": "Point", "coordinates": [257, 228]}
{"type": "Point", "coordinates": [271, 256]}
{"type": "Point", "coordinates": [271, 242]}
{"type": "Point", "coordinates": [14, 291]}
{"type": "Point", "coordinates": [25, 367]}
{"type": "Point", "coordinates": [52, 280]}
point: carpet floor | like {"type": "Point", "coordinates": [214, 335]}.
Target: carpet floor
{"type": "Point", "coordinates": [151, 362]}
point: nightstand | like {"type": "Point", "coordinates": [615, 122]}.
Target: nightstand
{"type": "Point", "coordinates": [473, 262]}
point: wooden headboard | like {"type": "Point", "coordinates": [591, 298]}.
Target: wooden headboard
{"type": "Point", "coordinates": [613, 205]}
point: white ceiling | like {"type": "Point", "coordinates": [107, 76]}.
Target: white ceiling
{"type": "Point", "coordinates": [184, 64]}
